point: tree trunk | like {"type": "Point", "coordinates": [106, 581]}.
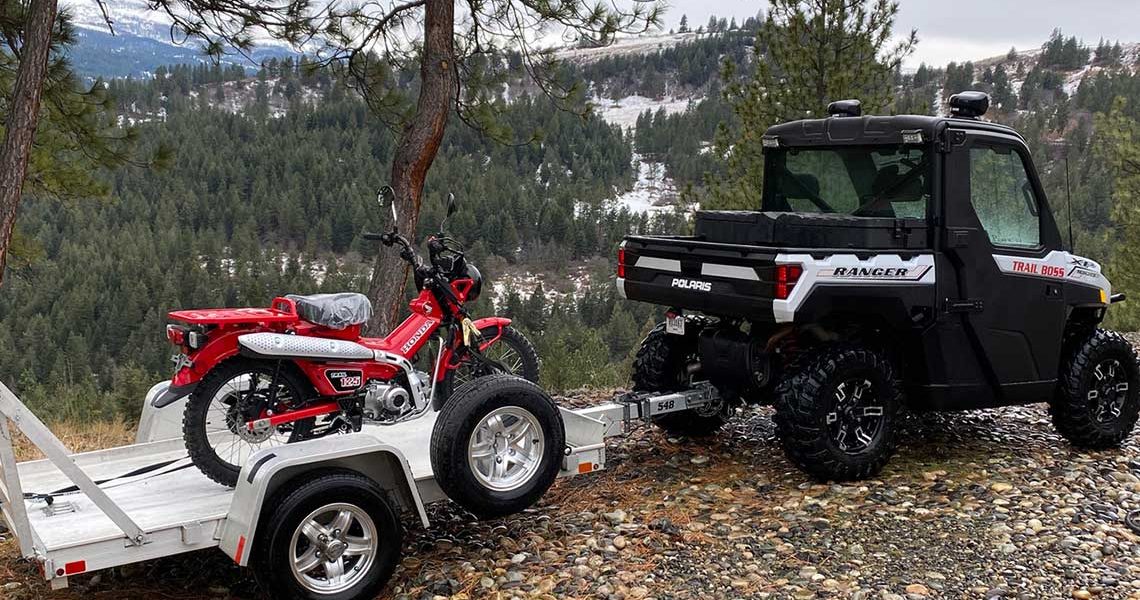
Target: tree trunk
{"type": "Point", "coordinates": [415, 152]}
{"type": "Point", "coordinates": [23, 116]}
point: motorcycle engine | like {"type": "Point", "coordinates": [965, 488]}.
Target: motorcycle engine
{"type": "Point", "coordinates": [384, 401]}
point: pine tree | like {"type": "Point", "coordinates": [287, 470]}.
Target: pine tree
{"type": "Point", "coordinates": [814, 53]}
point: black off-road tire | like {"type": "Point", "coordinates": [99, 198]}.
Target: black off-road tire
{"type": "Point", "coordinates": [273, 547]}
{"type": "Point", "coordinates": [456, 424]}
{"type": "Point", "coordinates": [531, 364]}
{"type": "Point", "coordinates": [202, 454]}
{"type": "Point", "coordinates": [1081, 390]}
{"type": "Point", "coordinates": [659, 366]}
{"type": "Point", "coordinates": [807, 395]}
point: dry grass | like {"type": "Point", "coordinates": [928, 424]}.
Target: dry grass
{"type": "Point", "coordinates": [79, 437]}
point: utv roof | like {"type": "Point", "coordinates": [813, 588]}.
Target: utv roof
{"type": "Point", "coordinates": [842, 130]}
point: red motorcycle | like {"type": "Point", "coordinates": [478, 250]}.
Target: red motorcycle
{"type": "Point", "coordinates": [259, 377]}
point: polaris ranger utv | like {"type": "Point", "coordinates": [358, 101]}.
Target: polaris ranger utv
{"type": "Point", "coordinates": [896, 262]}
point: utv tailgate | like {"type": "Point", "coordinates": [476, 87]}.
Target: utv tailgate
{"type": "Point", "coordinates": [684, 272]}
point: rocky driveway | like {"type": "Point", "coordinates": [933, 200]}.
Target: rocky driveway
{"type": "Point", "coordinates": [985, 505]}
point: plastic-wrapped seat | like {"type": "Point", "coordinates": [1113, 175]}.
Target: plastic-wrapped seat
{"type": "Point", "coordinates": [335, 311]}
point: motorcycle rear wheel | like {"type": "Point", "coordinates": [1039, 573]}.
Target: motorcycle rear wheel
{"type": "Point", "coordinates": [213, 428]}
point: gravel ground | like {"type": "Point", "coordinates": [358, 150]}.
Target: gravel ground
{"type": "Point", "coordinates": [990, 504]}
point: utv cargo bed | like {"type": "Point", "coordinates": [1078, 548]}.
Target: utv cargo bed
{"type": "Point", "coordinates": [810, 230]}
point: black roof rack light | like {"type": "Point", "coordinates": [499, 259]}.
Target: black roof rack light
{"type": "Point", "coordinates": [845, 108]}
{"type": "Point", "coordinates": [969, 105]}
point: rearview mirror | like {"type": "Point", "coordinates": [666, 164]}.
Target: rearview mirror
{"type": "Point", "coordinates": [452, 206]}
{"type": "Point", "coordinates": [386, 197]}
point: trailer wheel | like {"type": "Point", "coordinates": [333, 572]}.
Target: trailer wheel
{"type": "Point", "coordinates": [335, 538]}
{"type": "Point", "coordinates": [497, 445]}
{"type": "Point", "coordinates": [837, 415]}
{"type": "Point", "coordinates": [659, 366]}
{"type": "Point", "coordinates": [1098, 397]}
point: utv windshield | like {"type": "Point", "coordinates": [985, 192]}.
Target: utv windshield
{"type": "Point", "coordinates": [861, 181]}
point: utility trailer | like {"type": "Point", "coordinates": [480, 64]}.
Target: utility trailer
{"type": "Point", "coordinates": [78, 513]}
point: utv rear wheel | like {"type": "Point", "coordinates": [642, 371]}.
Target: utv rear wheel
{"type": "Point", "coordinates": [214, 424]}
{"type": "Point", "coordinates": [660, 366]}
{"type": "Point", "coordinates": [1098, 396]}
{"type": "Point", "coordinates": [837, 414]}
{"type": "Point", "coordinates": [497, 445]}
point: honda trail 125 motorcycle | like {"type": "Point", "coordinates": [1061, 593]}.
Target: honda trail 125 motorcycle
{"type": "Point", "coordinates": [300, 369]}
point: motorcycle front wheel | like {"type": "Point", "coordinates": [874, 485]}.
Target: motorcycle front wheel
{"type": "Point", "coordinates": [227, 398]}
{"type": "Point", "coordinates": [512, 349]}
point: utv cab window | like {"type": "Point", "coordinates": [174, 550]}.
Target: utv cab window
{"type": "Point", "coordinates": [1003, 197]}
{"type": "Point", "coordinates": [861, 181]}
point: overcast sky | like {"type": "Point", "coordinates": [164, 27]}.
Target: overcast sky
{"type": "Point", "coordinates": [961, 30]}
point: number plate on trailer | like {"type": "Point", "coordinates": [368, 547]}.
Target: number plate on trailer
{"type": "Point", "coordinates": [675, 324]}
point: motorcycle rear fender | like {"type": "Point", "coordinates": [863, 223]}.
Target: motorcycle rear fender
{"type": "Point", "coordinates": [221, 346]}
{"type": "Point", "coordinates": [486, 322]}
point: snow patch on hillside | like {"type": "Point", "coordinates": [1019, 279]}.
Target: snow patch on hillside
{"type": "Point", "coordinates": [624, 111]}
{"type": "Point", "coordinates": [653, 191]}
{"type": "Point", "coordinates": [625, 46]}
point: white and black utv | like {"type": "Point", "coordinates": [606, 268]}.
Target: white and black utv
{"type": "Point", "coordinates": [896, 262]}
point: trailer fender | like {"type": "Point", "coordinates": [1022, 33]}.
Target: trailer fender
{"type": "Point", "coordinates": [272, 470]}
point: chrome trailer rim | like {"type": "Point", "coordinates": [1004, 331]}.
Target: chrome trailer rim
{"type": "Point", "coordinates": [506, 448]}
{"type": "Point", "coordinates": [333, 548]}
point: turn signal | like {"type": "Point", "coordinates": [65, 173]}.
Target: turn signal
{"type": "Point", "coordinates": [786, 278]}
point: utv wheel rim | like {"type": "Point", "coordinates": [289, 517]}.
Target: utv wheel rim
{"type": "Point", "coordinates": [333, 548]}
{"type": "Point", "coordinates": [1108, 390]}
{"type": "Point", "coordinates": [856, 418]}
{"type": "Point", "coordinates": [506, 448]}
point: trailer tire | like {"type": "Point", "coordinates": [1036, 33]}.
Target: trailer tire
{"type": "Point", "coordinates": [659, 366]}
{"type": "Point", "coordinates": [474, 421]}
{"type": "Point", "coordinates": [818, 403]}
{"type": "Point", "coordinates": [1097, 402]}
{"type": "Point", "coordinates": [372, 524]}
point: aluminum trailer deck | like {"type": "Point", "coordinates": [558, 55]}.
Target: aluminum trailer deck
{"type": "Point", "coordinates": [146, 500]}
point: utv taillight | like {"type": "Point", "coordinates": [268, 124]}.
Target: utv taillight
{"type": "Point", "coordinates": [621, 261]}
{"type": "Point", "coordinates": [786, 278]}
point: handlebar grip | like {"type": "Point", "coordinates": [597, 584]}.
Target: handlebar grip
{"type": "Point", "coordinates": [372, 236]}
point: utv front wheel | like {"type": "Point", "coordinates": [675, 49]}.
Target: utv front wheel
{"type": "Point", "coordinates": [1098, 397]}
{"type": "Point", "coordinates": [660, 367]}
{"type": "Point", "coordinates": [837, 415]}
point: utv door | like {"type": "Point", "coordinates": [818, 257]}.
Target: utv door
{"type": "Point", "coordinates": [1003, 311]}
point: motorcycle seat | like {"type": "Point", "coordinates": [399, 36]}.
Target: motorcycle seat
{"type": "Point", "coordinates": [335, 311]}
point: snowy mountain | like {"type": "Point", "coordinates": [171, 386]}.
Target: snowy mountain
{"type": "Point", "coordinates": [141, 41]}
